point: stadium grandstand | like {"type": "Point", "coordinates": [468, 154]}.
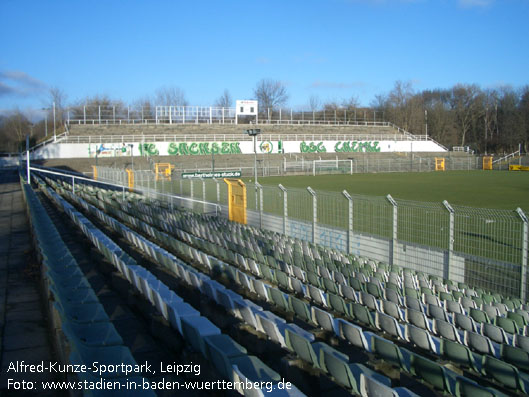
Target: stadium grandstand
{"type": "Point", "coordinates": [223, 292]}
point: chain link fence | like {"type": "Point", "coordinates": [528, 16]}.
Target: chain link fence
{"type": "Point", "coordinates": [483, 248]}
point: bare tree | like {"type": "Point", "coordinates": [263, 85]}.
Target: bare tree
{"type": "Point", "coordinates": [13, 131]}
{"type": "Point", "coordinates": [225, 100]}
{"type": "Point", "coordinates": [270, 94]}
{"type": "Point", "coordinates": [463, 103]}
{"type": "Point", "coordinates": [170, 96]}
{"type": "Point", "coordinates": [314, 103]}
{"type": "Point", "coordinates": [56, 98]}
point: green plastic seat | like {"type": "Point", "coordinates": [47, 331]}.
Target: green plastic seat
{"type": "Point", "coordinates": [304, 349]}
{"type": "Point", "coordinates": [468, 388]}
{"type": "Point", "coordinates": [300, 308]}
{"type": "Point", "coordinates": [508, 324]}
{"type": "Point", "coordinates": [460, 354]}
{"type": "Point", "coordinates": [479, 316]}
{"type": "Point", "coordinates": [434, 374]}
{"type": "Point", "coordinates": [338, 304]}
{"type": "Point", "coordinates": [221, 349]}
{"type": "Point", "coordinates": [515, 356]}
{"type": "Point", "coordinates": [505, 374]}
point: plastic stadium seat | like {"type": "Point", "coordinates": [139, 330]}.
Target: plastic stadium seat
{"type": "Point", "coordinates": [480, 344]}
{"type": "Point", "coordinates": [92, 334]}
{"type": "Point", "coordinates": [422, 338]}
{"type": "Point", "coordinates": [446, 330]}
{"type": "Point", "coordinates": [461, 355]}
{"type": "Point", "coordinates": [252, 369]}
{"type": "Point", "coordinates": [495, 333]}
{"type": "Point", "coordinates": [507, 324]}
{"type": "Point", "coordinates": [362, 314]}
{"type": "Point", "coordinates": [468, 388]}
{"type": "Point", "coordinates": [300, 308]}
{"type": "Point", "coordinates": [305, 349]}
{"type": "Point", "coordinates": [324, 320]}
{"type": "Point", "coordinates": [82, 313]}
{"type": "Point", "coordinates": [179, 310]}
{"type": "Point", "coordinates": [108, 355]}
{"type": "Point", "coordinates": [220, 349]}
{"type": "Point", "coordinates": [505, 374]}
{"type": "Point", "coordinates": [521, 341]}
{"type": "Point", "coordinates": [195, 328]}
{"type": "Point", "coordinates": [348, 375]}
{"type": "Point", "coordinates": [373, 386]}
{"type": "Point", "coordinates": [317, 295]}
{"type": "Point", "coordinates": [272, 325]}
{"type": "Point", "coordinates": [465, 323]}
{"type": "Point", "coordinates": [389, 325]}
{"type": "Point", "coordinates": [389, 352]}
{"type": "Point", "coordinates": [437, 312]}
{"type": "Point", "coordinates": [434, 374]}
{"type": "Point", "coordinates": [515, 356]}
{"type": "Point", "coordinates": [355, 335]}
{"type": "Point", "coordinates": [338, 304]}
{"type": "Point", "coordinates": [479, 316]}
{"type": "Point", "coordinates": [418, 319]}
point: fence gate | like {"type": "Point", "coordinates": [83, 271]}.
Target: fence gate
{"type": "Point", "coordinates": [237, 200]}
{"type": "Point", "coordinates": [487, 163]}
{"type": "Point", "coordinates": [130, 179]}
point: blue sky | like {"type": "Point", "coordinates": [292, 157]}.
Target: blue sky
{"type": "Point", "coordinates": [333, 49]}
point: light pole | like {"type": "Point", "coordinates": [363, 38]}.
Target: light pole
{"type": "Point", "coordinates": [131, 155]}
{"type": "Point", "coordinates": [253, 133]}
{"type": "Point", "coordinates": [54, 126]}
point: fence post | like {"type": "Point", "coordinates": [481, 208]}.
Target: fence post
{"type": "Point", "coordinates": [73, 184]}
{"type": "Point", "coordinates": [393, 253]}
{"type": "Point", "coordinates": [450, 239]}
{"type": "Point", "coordinates": [525, 248]}
{"type": "Point", "coordinates": [285, 208]}
{"type": "Point", "coordinates": [314, 213]}
{"type": "Point", "coordinates": [203, 194]}
{"type": "Point", "coordinates": [260, 187]}
{"type": "Point", "coordinates": [350, 221]}
{"type": "Point", "coordinates": [191, 187]}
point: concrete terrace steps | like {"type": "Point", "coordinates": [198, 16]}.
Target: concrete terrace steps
{"type": "Point", "coordinates": [183, 129]}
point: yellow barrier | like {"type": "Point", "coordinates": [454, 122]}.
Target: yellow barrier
{"type": "Point", "coordinates": [236, 200]}
{"type": "Point", "coordinates": [131, 179]}
{"type": "Point", "coordinates": [487, 163]}
{"type": "Point", "coordinates": [94, 169]}
{"type": "Point", "coordinates": [439, 164]}
{"type": "Point", "coordinates": [518, 168]}
{"type": "Point", "coordinates": [163, 170]}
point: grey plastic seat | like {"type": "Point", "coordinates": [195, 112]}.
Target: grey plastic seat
{"type": "Point", "coordinates": [354, 334]}
{"type": "Point", "coordinates": [389, 325]}
{"type": "Point", "coordinates": [368, 300]}
{"type": "Point", "coordinates": [431, 300]}
{"type": "Point", "coordinates": [495, 333]}
{"type": "Point", "coordinates": [347, 292]}
{"type": "Point", "coordinates": [324, 319]}
{"type": "Point", "coordinates": [492, 311]}
{"type": "Point", "coordinates": [479, 343]}
{"type": "Point", "coordinates": [446, 330]}
{"type": "Point", "coordinates": [437, 312]}
{"type": "Point", "coordinates": [465, 323]}
{"type": "Point", "coordinates": [418, 319]}
{"type": "Point", "coordinates": [393, 296]}
{"type": "Point", "coordinates": [391, 309]}
{"type": "Point", "coordinates": [317, 295]}
{"type": "Point", "coordinates": [422, 338]}
{"type": "Point", "coordinates": [413, 303]}
{"type": "Point", "coordinates": [453, 307]}
{"type": "Point", "coordinates": [521, 341]}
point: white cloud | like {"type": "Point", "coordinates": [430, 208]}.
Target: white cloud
{"type": "Point", "coordinates": [20, 84]}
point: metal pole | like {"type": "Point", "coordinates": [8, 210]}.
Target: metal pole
{"type": "Point", "coordinates": [350, 221]}
{"type": "Point", "coordinates": [314, 212]}
{"type": "Point", "coordinates": [260, 204]}
{"type": "Point", "coordinates": [450, 239]}
{"type": "Point", "coordinates": [255, 156]}
{"type": "Point", "coordinates": [46, 124]}
{"type": "Point", "coordinates": [27, 159]}
{"type": "Point", "coordinates": [285, 208]}
{"type": "Point", "coordinates": [525, 248]}
{"type": "Point", "coordinates": [54, 123]}
{"type": "Point", "coordinates": [393, 254]}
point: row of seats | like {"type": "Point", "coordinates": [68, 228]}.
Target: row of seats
{"type": "Point", "coordinates": [275, 331]}
{"type": "Point", "coordinates": [269, 323]}
{"type": "Point", "coordinates": [198, 331]}
{"type": "Point", "coordinates": [77, 312]}
{"type": "Point", "coordinates": [380, 318]}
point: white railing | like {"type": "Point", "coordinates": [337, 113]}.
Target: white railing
{"type": "Point", "coordinates": [505, 158]}
{"type": "Point", "coordinates": [149, 138]}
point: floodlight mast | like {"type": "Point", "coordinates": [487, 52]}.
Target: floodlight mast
{"type": "Point", "coordinates": [253, 133]}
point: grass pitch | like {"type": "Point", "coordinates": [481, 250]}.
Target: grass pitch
{"type": "Point", "coordinates": [482, 189]}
